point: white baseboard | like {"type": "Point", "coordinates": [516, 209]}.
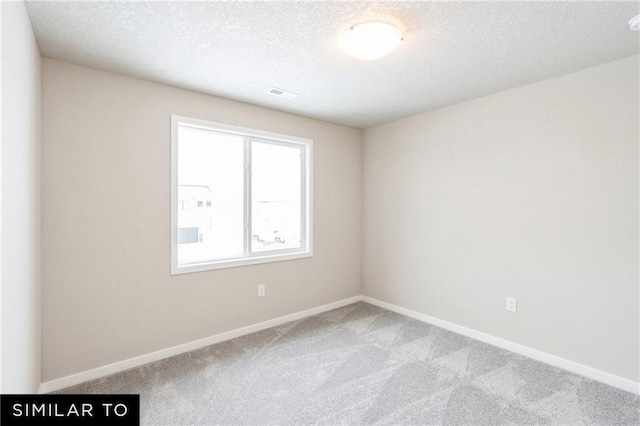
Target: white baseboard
{"type": "Point", "coordinates": [127, 364]}
{"type": "Point", "coordinates": [556, 361]}
{"type": "Point", "coordinates": [565, 364]}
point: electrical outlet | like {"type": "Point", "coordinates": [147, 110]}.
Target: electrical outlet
{"type": "Point", "coordinates": [512, 304]}
{"type": "Point", "coordinates": [262, 290]}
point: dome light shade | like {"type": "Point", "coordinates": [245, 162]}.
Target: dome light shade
{"type": "Point", "coordinates": [371, 40]}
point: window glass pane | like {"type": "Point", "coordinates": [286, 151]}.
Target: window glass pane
{"type": "Point", "coordinates": [275, 197]}
{"type": "Point", "coordinates": [210, 170]}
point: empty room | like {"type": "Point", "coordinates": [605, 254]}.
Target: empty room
{"type": "Point", "coordinates": [320, 212]}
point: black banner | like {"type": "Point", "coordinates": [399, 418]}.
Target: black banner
{"type": "Point", "coordinates": [70, 410]}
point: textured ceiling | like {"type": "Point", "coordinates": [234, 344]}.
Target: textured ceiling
{"type": "Point", "coordinates": [452, 51]}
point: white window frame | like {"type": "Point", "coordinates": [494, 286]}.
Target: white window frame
{"type": "Point", "coordinates": [249, 135]}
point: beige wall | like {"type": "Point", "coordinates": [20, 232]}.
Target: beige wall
{"type": "Point", "coordinates": [20, 226]}
{"type": "Point", "coordinates": [530, 193]}
{"type": "Point", "coordinates": [107, 290]}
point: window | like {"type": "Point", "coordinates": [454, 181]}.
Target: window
{"type": "Point", "coordinates": [256, 187]}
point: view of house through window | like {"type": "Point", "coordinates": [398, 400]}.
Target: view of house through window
{"type": "Point", "coordinates": [238, 196]}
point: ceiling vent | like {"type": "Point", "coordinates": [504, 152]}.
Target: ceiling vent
{"type": "Point", "coordinates": [281, 93]}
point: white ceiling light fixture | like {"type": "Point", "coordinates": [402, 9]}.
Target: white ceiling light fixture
{"type": "Point", "coordinates": [371, 40]}
{"type": "Point", "coordinates": [634, 23]}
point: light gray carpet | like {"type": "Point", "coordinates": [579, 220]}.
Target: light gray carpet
{"type": "Point", "coordinates": [363, 365]}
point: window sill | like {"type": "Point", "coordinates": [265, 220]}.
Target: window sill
{"type": "Point", "coordinates": [235, 263]}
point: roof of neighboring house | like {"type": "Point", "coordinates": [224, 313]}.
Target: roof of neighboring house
{"type": "Point", "coordinates": [194, 192]}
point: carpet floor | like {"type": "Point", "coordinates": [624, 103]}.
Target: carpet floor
{"type": "Point", "coordinates": [361, 364]}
